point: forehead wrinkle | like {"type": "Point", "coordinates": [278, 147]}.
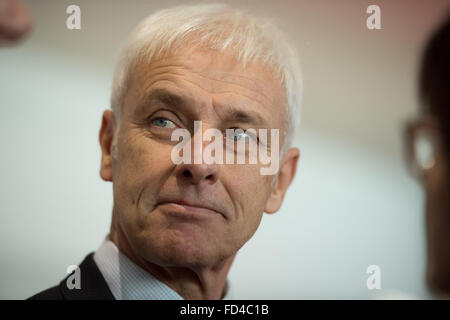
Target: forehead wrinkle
{"type": "Point", "coordinates": [174, 99]}
{"type": "Point", "coordinates": [259, 90]}
{"type": "Point", "coordinates": [251, 82]}
{"type": "Point", "coordinates": [255, 85]}
{"type": "Point", "coordinates": [175, 70]}
{"type": "Point", "coordinates": [256, 97]}
{"type": "Point", "coordinates": [256, 116]}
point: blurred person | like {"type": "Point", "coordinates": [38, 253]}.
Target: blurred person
{"type": "Point", "coordinates": [15, 21]}
{"type": "Point", "coordinates": [176, 228]}
{"type": "Point", "coordinates": [428, 140]}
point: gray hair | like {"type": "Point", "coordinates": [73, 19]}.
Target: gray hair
{"type": "Point", "coordinates": [219, 27]}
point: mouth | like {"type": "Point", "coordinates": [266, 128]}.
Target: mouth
{"type": "Point", "coordinates": [188, 209]}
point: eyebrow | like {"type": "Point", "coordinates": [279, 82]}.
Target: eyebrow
{"type": "Point", "coordinates": [162, 96]}
{"type": "Point", "coordinates": [233, 113]}
{"type": "Point", "coordinates": [240, 115]}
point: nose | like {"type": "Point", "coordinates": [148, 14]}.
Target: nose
{"type": "Point", "coordinates": [198, 173]}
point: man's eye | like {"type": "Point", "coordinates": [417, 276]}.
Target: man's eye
{"type": "Point", "coordinates": [238, 134]}
{"type": "Point", "coordinates": [163, 123]}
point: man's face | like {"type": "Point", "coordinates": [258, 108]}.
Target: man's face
{"type": "Point", "coordinates": [157, 203]}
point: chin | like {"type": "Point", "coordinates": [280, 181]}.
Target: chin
{"type": "Point", "coordinates": [174, 248]}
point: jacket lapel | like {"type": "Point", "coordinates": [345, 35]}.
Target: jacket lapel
{"type": "Point", "coordinates": [93, 285]}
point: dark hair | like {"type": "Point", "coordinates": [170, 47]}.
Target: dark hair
{"type": "Point", "coordinates": [435, 78]}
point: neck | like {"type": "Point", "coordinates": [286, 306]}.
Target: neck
{"type": "Point", "coordinates": [191, 283]}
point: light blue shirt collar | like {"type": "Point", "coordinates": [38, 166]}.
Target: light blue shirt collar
{"type": "Point", "coordinates": [128, 281]}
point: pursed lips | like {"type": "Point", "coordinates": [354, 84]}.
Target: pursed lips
{"type": "Point", "coordinates": [191, 205]}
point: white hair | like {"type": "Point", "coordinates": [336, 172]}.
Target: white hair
{"type": "Point", "coordinates": [219, 27]}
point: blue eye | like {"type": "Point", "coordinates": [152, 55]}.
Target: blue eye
{"type": "Point", "coordinates": [237, 134]}
{"type": "Point", "coordinates": [163, 123]}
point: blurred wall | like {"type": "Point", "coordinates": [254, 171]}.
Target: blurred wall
{"type": "Point", "coordinates": [352, 204]}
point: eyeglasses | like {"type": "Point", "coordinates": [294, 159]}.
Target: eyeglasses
{"type": "Point", "coordinates": [422, 144]}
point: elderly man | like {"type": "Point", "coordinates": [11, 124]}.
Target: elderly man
{"type": "Point", "coordinates": [177, 226]}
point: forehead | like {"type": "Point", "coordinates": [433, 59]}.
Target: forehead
{"type": "Point", "coordinates": [211, 75]}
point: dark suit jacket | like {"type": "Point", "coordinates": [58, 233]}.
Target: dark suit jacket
{"type": "Point", "coordinates": [93, 285]}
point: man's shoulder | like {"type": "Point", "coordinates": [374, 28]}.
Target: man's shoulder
{"type": "Point", "coordinates": [53, 293]}
{"type": "Point", "coordinates": [92, 285]}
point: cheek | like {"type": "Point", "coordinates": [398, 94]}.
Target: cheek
{"type": "Point", "coordinates": [249, 191]}
{"type": "Point", "coordinates": [140, 167]}
{"type": "Point", "coordinates": [249, 183]}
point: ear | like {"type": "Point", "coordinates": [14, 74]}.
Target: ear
{"type": "Point", "coordinates": [284, 178]}
{"type": "Point", "coordinates": [106, 137]}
